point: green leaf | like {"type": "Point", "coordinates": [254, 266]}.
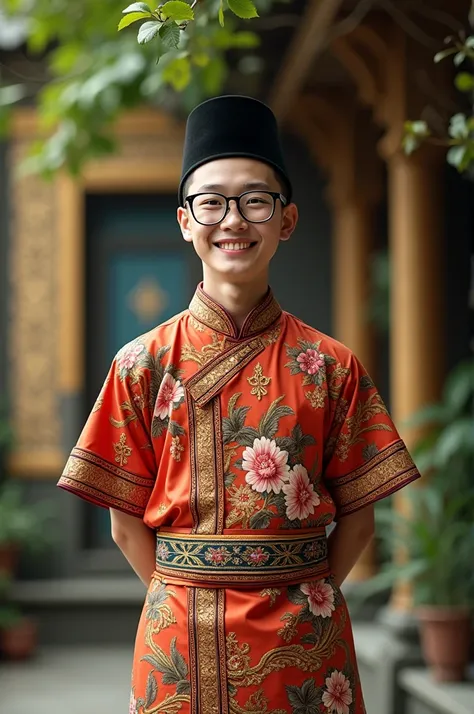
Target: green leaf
{"type": "Point", "coordinates": [170, 35]}
{"type": "Point", "coordinates": [131, 18]}
{"type": "Point", "coordinates": [178, 73]}
{"type": "Point", "coordinates": [221, 14]}
{"type": "Point", "coordinates": [245, 40]}
{"type": "Point", "coordinates": [464, 81]}
{"type": "Point", "coordinates": [245, 9]}
{"type": "Point", "coordinates": [459, 58]}
{"type": "Point", "coordinates": [470, 41]}
{"type": "Point", "coordinates": [261, 519]}
{"type": "Point", "coordinates": [459, 387]}
{"type": "Point", "coordinates": [148, 31]}
{"type": "Point", "coordinates": [12, 94]}
{"type": "Point", "coordinates": [178, 660]}
{"type": "Point", "coordinates": [177, 10]}
{"type": "Point", "coordinates": [458, 128]}
{"type": "Point", "coordinates": [137, 7]}
{"type": "Point", "coordinates": [454, 439]}
{"type": "Point", "coordinates": [410, 143]}
{"type": "Point", "coordinates": [444, 53]}
{"type": "Point", "coordinates": [151, 689]}
{"type": "Point", "coordinates": [456, 156]}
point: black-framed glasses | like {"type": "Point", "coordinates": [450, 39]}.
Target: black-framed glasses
{"type": "Point", "coordinates": [209, 209]}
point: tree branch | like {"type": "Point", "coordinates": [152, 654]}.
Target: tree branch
{"type": "Point", "coordinates": [408, 25]}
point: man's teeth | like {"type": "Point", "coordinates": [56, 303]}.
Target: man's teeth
{"type": "Point", "coordinates": [234, 246]}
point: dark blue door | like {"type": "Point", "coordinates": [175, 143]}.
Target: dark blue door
{"type": "Point", "coordinates": [139, 273]}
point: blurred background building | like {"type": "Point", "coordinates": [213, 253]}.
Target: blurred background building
{"type": "Point", "coordinates": [381, 259]}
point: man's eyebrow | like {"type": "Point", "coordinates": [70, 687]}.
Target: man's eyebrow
{"type": "Point", "coordinates": [251, 185]}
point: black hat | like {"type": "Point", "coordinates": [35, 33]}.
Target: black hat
{"type": "Point", "coordinates": [232, 126]}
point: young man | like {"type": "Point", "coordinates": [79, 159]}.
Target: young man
{"type": "Point", "coordinates": [224, 442]}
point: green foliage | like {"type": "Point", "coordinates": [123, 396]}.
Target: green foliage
{"type": "Point", "coordinates": [29, 526]}
{"type": "Point", "coordinates": [460, 139]}
{"type": "Point", "coordinates": [102, 61]}
{"type": "Point", "coordinates": [438, 531]}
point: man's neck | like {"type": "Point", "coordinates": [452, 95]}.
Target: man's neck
{"type": "Point", "coordinates": [238, 299]}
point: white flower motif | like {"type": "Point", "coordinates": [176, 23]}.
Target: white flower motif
{"type": "Point", "coordinates": [266, 464]}
{"type": "Point", "coordinates": [129, 355]}
{"type": "Point", "coordinates": [133, 704]}
{"type": "Point", "coordinates": [170, 393]}
{"type": "Point", "coordinates": [300, 497]}
{"type": "Point", "coordinates": [320, 597]}
{"type": "Point", "coordinates": [338, 694]}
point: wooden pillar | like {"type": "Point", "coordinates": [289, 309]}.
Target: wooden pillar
{"type": "Point", "coordinates": [343, 140]}
{"type": "Point", "coordinates": [416, 320]}
{"type": "Point", "coordinates": [353, 241]}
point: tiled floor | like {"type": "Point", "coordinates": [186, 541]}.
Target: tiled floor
{"type": "Point", "coordinates": [76, 681]}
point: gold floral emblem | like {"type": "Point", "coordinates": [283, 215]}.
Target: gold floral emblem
{"type": "Point", "coordinates": [259, 382]}
{"type": "Point", "coordinates": [122, 451]}
{"type": "Point", "coordinates": [176, 448]}
{"type": "Point", "coordinates": [317, 397]}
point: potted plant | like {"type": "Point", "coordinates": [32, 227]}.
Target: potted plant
{"type": "Point", "coordinates": [23, 525]}
{"type": "Point", "coordinates": [18, 633]}
{"type": "Point", "coordinates": [437, 532]}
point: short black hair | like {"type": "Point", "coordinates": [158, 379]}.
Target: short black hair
{"type": "Point", "coordinates": [281, 183]}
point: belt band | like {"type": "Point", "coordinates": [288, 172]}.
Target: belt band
{"type": "Point", "coordinates": [242, 559]}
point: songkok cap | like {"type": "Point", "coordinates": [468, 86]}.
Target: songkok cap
{"type": "Point", "coordinates": [232, 126]}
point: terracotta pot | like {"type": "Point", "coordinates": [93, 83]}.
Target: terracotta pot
{"type": "Point", "coordinates": [19, 641]}
{"type": "Point", "coordinates": [8, 558]}
{"type": "Point", "coordinates": [445, 639]}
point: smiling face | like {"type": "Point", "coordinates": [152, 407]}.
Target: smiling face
{"type": "Point", "coordinates": [236, 250]}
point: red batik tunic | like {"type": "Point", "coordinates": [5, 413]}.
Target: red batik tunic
{"type": "Point", "coordinates": [240, 447]}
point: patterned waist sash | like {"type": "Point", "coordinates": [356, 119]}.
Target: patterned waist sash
{"type": "Point", "coordinates": [241, 560]}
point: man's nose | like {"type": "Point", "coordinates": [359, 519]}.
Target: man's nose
{"type": "Point", "coordinates": [233, 217]}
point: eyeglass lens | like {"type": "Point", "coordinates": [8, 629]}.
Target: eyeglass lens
{"type": "Point", "coordinates": [210, 208]}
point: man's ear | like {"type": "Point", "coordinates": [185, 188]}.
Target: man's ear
{"type": "Point", "coordinates": [185, 224]}
{"type": "Point", "coordinates": [289, 220]}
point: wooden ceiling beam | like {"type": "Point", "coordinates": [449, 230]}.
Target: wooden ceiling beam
{"type": "Point", "coordinates": [308, 41]}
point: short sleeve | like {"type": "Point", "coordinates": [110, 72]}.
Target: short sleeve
{"type": "Point", "coordinates": [113, 463]}
{"type": "Point", "coordinates": [365, 458]}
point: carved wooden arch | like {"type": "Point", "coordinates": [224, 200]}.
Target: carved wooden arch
{"type": "Point", "coordinates": [329, 124]}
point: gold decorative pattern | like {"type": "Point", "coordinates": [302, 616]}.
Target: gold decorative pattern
{"type": "Point", "coordinates": [176, 448]}
{"type": "Point", "coordinates": [210, 379]}
{"type": "Point", "coordinates": [208, 312]}
{"type": "Point", "coordinates": [272, 593]}
{"type": "Point", "coordinates": [104, 483]}
{"type": "Point", "coordinates": [33, 318]}
{"type": "Point", "coordinates": [390, 469]}
{"type": "Point", "coordinates": [122, 451]}
{"type": "Point", "coordinates": [258, 382]}
{"type": "Point", "coordinates": [207, 652]}
{"type": "Point", "coordinates": [205, 354]}
{"type": "Point", "coordinates": [207, 467]}
{"type": "Point", "coordinates": [317, 397]}
{"type": "Point", "coordinates": [272, 336]}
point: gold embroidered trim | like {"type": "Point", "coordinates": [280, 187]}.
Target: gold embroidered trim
{"type": "Point", "coordinates": [207, 651]}
{"type": "Point", "coordinates": [189, 353]}
{"type": "Point", "coordinates": [387, 472]}
{"type": "Point", "coordinates": [104, 483]}
{"type": "Point", "coordinates": [208, 381]}
{"type": "Point", "coordinates": [211, 314]}
{"type": "Point", "coordinates": [207, 467]}
{"type": "Point", "coordinates": [258, 382]}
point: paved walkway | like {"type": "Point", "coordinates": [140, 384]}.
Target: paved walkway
{"type": "Point", "coordinates": [76, 681]}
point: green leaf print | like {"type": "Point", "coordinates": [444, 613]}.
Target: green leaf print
{"type": "Point", "coordinates": [296, 596]}
{"type": "Point", "coordinates": [261, 519]}
{"type": "Point", "coordinates": [151, 690]}
{"type": "Point", "coordinates": [176, 429]}
{"type": "Point", "coordinates": [178, 660]}
{"type": "Point", "coordinates": [269, 422]}
{"type": "Point", "coordinates": [183, 687]}
{"type": "Point", "coordinates": [305, 699]}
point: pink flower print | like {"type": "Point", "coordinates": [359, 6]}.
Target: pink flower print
{"type": "Point", "coordinates": [218, 556]}
{"type": "Point", "coordinates": [310, 361]}
{"type": "Point", "coordinates": [162, 551]}
{"type": "Point", "coordinates": [266, 464]}
{"type": "Point", "coordinates": [338, 694]}
{"type": "Point", "coordinates": [129, 355]}
{"type": "Point", "coordinates": [255, 556]}
{"type": "Point", "coordinates": [133, 704]}
{"type": "Point", "coordinates": [170, 393]}
{"type": "Point", "coordinates": [320, 597]}
{"type": "Point", "coordinates": [300, 497]}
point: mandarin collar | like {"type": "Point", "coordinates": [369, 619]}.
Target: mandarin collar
{"type": "Point", "coordinates": [211, 314]}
